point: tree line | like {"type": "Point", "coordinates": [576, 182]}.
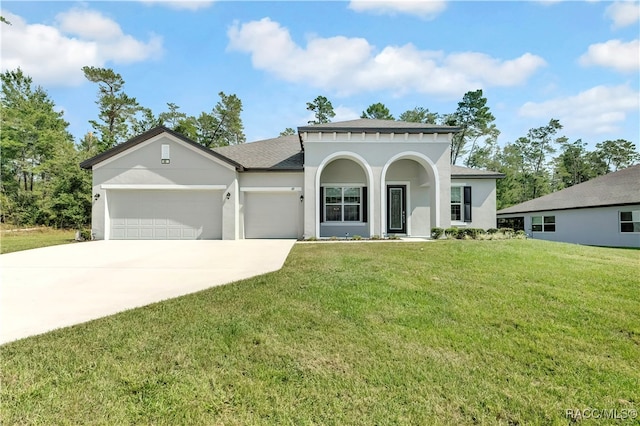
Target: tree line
{"type": "Point", "coordinates": [121, 117]}
{"type": "Point", "coordinates": [41, 182]}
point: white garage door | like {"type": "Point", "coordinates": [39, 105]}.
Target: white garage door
{"type": "Point", "coordinates": [165, 215]}
{"type": "Point", "coordinates": [272, 215]}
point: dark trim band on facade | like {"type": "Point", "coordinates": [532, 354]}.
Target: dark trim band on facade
{"type": "Point", "coordinates": [271, 169]}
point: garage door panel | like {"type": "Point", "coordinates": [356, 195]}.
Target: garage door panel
{"type": "Point", "coordinates": [174, 233]}
{"type": "Point", "coordinates": [188, 234]}
{"type": "Point", "coordinates": [272, 215]}
{"type": "Point", "coordinates": [165, 214]}
{"type": "Point", "coordinates": [132, 233]}
{"type": "Point", "coordinates": [146, 233]}
{"type": "Point", "coordinates": [117, 234]}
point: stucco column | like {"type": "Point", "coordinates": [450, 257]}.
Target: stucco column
{"type": "Point", "coordinates": [444, 219]}
{"type": "Point", "coordinates": [311, 196]}
{"type": "Point", "coordinates": [375, 199]}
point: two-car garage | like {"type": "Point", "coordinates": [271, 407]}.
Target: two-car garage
{"type": "Point", "coordinates": [163, 186]}
{"type": "Point", "coordinates": [165, 214]}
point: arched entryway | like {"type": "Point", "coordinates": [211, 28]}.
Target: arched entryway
{"type": "Point", "coordinates": [345, 199]}
{"type": "Point", "coordinates": [410, 192]}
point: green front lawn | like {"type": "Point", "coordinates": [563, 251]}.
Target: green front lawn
{"type": "Point", "coordinates": [447, 332]}
{"type": "Point", "coordinates": [18, 239]}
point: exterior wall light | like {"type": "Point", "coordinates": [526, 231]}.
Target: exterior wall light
{"type": "Point", "coordinates": [301, 198]}
{"type": "Point", "coordinates": [95, 197]}
{"type": "Point", "coordinates": [228, 195]}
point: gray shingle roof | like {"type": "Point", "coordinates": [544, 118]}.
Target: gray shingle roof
{"type": "Point", "coordinates": [89, 163]}
{"type": "Point", "coordinates": [459, 172]}
{"type": "Point", "coordinates": [618, 188]}
{"type": "Point", "coordinates": [283, 153]}
{"type": "Point", "coordinates": [371, 125]}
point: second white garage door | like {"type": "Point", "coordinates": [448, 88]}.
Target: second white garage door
{"type": "Point", "coordinates": [165, 215]}
{"type": "Point", "coordinates": [272, 215]}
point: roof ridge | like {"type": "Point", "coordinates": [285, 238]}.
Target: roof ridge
{"type": "Point", "coordinates": [155, 131]}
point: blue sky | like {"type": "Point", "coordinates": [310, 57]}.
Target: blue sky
{"type": "Point", "coordinates": [576, 61]}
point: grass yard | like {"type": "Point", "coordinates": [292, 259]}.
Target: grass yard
{"type": "Point", "coordinates": [19, 239]}
{"type": "Point", "coordinates": [448, 332]}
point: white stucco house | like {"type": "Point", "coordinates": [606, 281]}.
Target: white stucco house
{"type": "Point", "coordinates": [361, 177]}
{"type": "Point", "coordinates": [604, 211]}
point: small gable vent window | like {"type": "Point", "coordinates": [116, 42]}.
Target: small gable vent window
{"type": "Point", "coordinates": [166, 154]}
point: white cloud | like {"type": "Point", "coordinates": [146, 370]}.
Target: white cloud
{"type": "Point", "coordinates": [182, 5]}
{"type": "Point", "coordinates": [598, 110]}
{"type": "Point", "coordinates": [88, 24]}
{"type": "Point", "coordinates": [55, 54]}
{"type": "Point", "coordinates": [623, 13]}
{"type": "Point", "coordinates": [352, 65]}
{"type": "Point", "coordinates": [624, 57]}
{"type": "Point", "coordinates": [426, 9]}
{"type": "Point", "coordinates": [344, 113]}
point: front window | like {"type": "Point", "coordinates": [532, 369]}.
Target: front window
{"type": "Point", "coordinates": [343, 204]}
{"type": "Point", "coordinates": [630, 221]}
{"type": "Point", "coordinates": [456, 203]}
{"type": "Point", "coordinates": [543, 224]}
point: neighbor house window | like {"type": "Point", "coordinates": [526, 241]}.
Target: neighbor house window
{"type": "Point", "coordinates": [543, 224]}
{"type": "Point", "coordinates": [630, 221]}
{"type": "Point", "coordinates": [515, 223]}
{"type": "Point", "coordinates": [165, 154]}
{"type": "Point", "coordinates": [342, 204]}
{"type": "Point", "coordinates": [461, 203]}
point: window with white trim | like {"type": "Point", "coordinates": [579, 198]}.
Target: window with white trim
{"type": "Point", "coordinates": [543, 224]}
{"type": "Point", "coordinates": [630, 221]}
{"type": "Point", "coordinates": [342, 204]}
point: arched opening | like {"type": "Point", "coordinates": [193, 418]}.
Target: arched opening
{"type": "Point", "coordinates": [409, 195]}
{"type": "Point", "coordinates": [344, 195]}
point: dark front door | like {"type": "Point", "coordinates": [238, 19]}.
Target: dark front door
{"type": "Point", "coordinates": [396, 209]}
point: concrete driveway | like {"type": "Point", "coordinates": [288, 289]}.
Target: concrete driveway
{"type": "Point", "coordinates": [53, 287]}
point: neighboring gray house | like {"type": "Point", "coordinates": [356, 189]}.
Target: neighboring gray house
{"type": "Point", "coordinates": [604, 211]}
{"type": "Point", "coordinates": [360, 177]}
